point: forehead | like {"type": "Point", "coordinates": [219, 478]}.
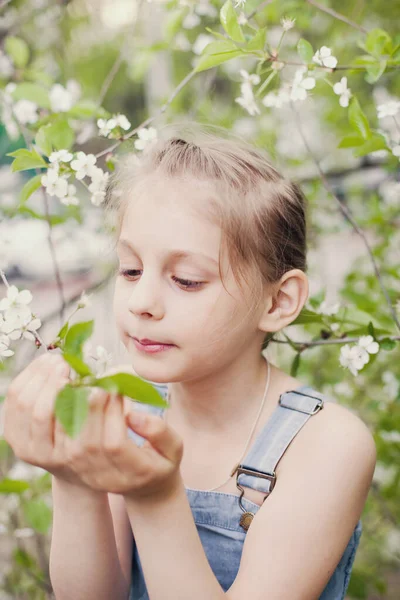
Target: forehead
{"type": "Point", "coordinates": [165, 214]}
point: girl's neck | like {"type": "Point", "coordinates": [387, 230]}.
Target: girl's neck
{"type": "Point", "coordinates": [231, 398]}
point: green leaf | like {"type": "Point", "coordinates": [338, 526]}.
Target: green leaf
{"type": "Point", "coordinates": [378, 41]}
{"type": "Point", "coordinates": [229, 22]}
{"type": "Point", "coordinates": [265, 83]}
{"type": "Point", "coordinates": [295, 365]}
{"type": "Point", "coordinates": [173, 23]}
{"type": "Point", "coordinates": [13, 486]}
{"type": "Point", "coordinates": [357, 119]}
{"type": "Point", "coordinates": [305, 50]}
{"type": "Point", "coordinates": [371, 329]}
{"type": "Point", "coordinates": [43, 142]}
{"type": "Point", "coordinates": [257, 42]}
{"type": "Point", "coordinates": [387, 344]}
{"type": "Point", "coordinates": [30, 186]}
{"type": "Point", "coordinates": [216, 53]}
{"type": "Point", "coordinates": [63, 331]}
{"type": "Point", "coordinates": [375, 70]}
{"type": "Point", "coordinates": [18, 50]}
{"type": "Point", "coordinates": [307, 316]}
{"type": "Point", "coordinates": [376, 142]}
{"type": "Point", "coordinates": [38, 514]}
{"type": "Point", "coordinates": [215, 33]}
{"type": "Point", "coordinates": [85, 109]}
{"type": "Point", "coordinates": [71, 408]}
{"type": "Point", "coordinates": [23, 558]}
{"type": "Point", "coordinates": [33, 92]}
{"type": "Point", "coordinates": [133, 387]}
{"type": "Point", "coordinates": [77, 364]}
{"type": "Point", "coordinates": [77, 336]}
{"type": "Point", "coordinates": [60, 133]}
{"type": "Point", "coordinates": [26, 159]}
{"type": "Point", "coordinates": [350, 141]}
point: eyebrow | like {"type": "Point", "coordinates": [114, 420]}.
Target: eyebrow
{"type": "Point", "coordinates": [172, 253]}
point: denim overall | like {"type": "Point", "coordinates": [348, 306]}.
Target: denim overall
{"type": "Point", "coordinates": [218, 515]}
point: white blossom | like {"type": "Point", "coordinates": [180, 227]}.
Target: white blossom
{"type": "Point", "coordinates": [391, 386]}
{"type": "Point", "coordinates": [107, 125]}
{"type": "Point", "coordinates": [63, 98]}
{"type": "Point", "coordinates": [242, 19]}
{"type": "Point", "coordinates": [324, 57]}
{"type": "Point", "coordinates": [98, 185]}
{"type": "Point", "coordinates": [15, 298]}
{"type": "Point", "coordinates": [145, 135]}
{"type": "Point", "coordinates": [202, 40]}
{"type": "Point", "coordinates": [4, 347]}
{"type": "Point", "coordinates": [301, 84]}
{"type": "Point", "coordinates": [102, 360]}
{"type": "Point", "coordinates": [85, 300]}
{"type": "Point", "coordinates": [83, 164]}
{"type": "Point", "coordinates": [61, 156]}
{"type": "Point", "coordinates": [70, 198]}
{"type": "Point", "coordinates": [388, 109]}
{"type": "Point", "coordinates": [326, 309]}
{"type": "Point", "coordinates": [24, 532]}
{"type": "Point", "coordinates": [190, 21]}
{"type": "Point", "coordinates": [277, 99]}
{"type": "Point", "coordinates": [287, 23]}
{"type": "Point", "coordinates": [353, 357]}
{"type": "Point", "coordinates": [25, 111]}
{"type": "Point", "coordinates": [55, 184]}
{"type": "Point", "coordinates": [396, 150]}
{"type": "Point", "coordinates": [390, 192]}
{"type": "Point", "coordinates": [253, 79]}
{"type": "Point", "coordinates": [340, 88]}
{"type": "Point", "coordinates": [390, 436]}
{"type": "Point", "coordinates": [240, 3]}
{"type": "Point", "coordinates": [247, 99]}
{"type": "Point", "coordinates": [367, 342]}
{"type": "Point", "coordinates": [205, 9]}
{"type": "Point", "coordinates": [26, 331]}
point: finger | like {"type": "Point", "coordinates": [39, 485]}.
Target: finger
{"type": "Point", "coordinates": [115, 431]}
{"type": "Point", "coordinates": [42, 421]}
{"type": "Point", "coordinates": [29, 396]}
{"type": "Point", "coordinates": [24, 377]}
{"type": "Point", "coordinates": [90, 437]}
{"type": "Point", "coordinates": [160, 435]}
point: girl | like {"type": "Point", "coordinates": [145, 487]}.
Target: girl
{"type": "Point", "coordinates": [251, 485]}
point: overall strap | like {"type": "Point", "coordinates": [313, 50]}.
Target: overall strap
{"type": "Point", "coordinates": [294, 408]}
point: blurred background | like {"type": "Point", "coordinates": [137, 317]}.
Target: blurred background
{"type": "Point", "coordinates": [69, 67]}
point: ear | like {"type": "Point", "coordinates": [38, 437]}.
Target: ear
{"type": "Point", "coordinates": [285, 302]}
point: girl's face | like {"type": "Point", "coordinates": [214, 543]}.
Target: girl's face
{"type": "Point", "coordinates": [175, 299]}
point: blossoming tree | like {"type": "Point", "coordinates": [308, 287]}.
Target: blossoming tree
{"type": "Point", "coordinates": [298, 71]}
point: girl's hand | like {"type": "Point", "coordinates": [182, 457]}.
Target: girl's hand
{"type": "Point", "coordinates": [102, 457]}
{"type": "Point", "coordinates": [106, 459]}
{"type": "Point", "coordinates": [29, 424]}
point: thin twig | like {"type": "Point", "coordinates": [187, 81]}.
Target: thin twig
{"type": "Point", "coordinates": [337, 15]}
{"type": "Point", "coordinates": [150, 119]}
{"type": "Point", "coordinates": [118, 62]}
{"type": "Point", "coordinates": [347, 214]}
{"type": "Point", "coordinates": [345, 340]}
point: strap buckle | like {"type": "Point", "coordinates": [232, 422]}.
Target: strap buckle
{"type": "Point", "coordinates": [320, 403]}
{"type": "Point", "coordinates": [247, 471]}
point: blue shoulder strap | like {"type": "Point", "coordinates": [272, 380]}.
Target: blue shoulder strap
{"type": "Point", "coordinates": [292, 412]}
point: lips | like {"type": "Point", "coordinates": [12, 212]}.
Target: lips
{"type": "Point", "coordinates": [147, 342]}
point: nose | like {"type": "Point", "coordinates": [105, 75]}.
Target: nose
{"type": "Point", "coordinates": [145, 297]}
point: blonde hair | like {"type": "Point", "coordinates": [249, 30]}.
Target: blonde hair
{"type": "Point", "coordinates": [262, 215]}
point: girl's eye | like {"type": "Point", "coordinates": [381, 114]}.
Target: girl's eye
{"type": "Point", "coordinates": [130, 273]}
